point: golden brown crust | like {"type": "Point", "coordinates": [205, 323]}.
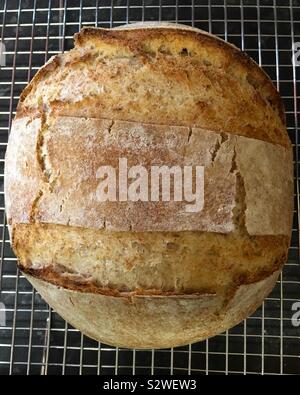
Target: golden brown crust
{"type": "Point", "coordinates": [215, 86]}
{"type": "Point", "coordinates": [234, 56]}
{"type": "Point", "coordinates": [183, 262]}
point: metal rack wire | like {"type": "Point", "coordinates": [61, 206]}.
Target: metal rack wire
{"type": "Point", "coordinates": [33, 338]}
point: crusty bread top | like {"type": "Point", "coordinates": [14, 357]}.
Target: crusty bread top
{"type": "Point", "coordinates": [159, 75]}
{"type": "Point", "coordinates": [160, 79]}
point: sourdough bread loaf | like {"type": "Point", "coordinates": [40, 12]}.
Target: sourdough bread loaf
{"type": "Point", "coordinates": [150, 274]}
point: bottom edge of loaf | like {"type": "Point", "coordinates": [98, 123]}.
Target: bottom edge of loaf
{"type": "Point", "coordinates": [151, 322]}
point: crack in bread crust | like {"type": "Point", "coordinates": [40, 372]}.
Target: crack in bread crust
{"type": "Point", "coordinates": [77, 282]}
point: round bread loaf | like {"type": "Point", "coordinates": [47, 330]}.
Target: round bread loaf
{"type": "Point", "coordinates": [149, 274]}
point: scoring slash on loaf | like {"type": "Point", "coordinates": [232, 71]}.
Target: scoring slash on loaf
{"type": "Point", "coordinates": [138, 274]}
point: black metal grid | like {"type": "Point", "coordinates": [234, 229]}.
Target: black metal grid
{"type": "Point", "coordinates": [35, 340]}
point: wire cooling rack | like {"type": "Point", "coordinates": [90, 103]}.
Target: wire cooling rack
{"type": "Point", "coordinates": [33, 338]}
